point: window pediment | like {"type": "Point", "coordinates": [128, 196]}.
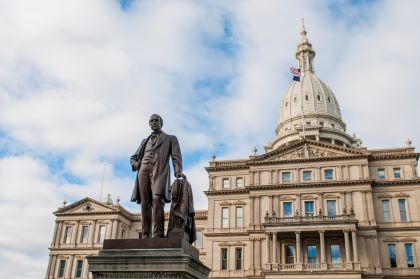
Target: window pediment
{"type": "Point", "coordinates": [390, 240]}
{"type": "Point", "coordinates": [225, 203]}
{"type": "Point", "coordinates": [401, 195]}
{"type": "Point", "coordinates": [384, 196]}
{"type": "Point", "coordinates": [287, 198]}
{"type": "Point", "coordinates": [238, 243]}
{"type": "Point", "coordinates": [224, 243]}
{"type": "Point", "coordinates": [238, 202]}
{"type": "Point", "coordinates": [408, 239]}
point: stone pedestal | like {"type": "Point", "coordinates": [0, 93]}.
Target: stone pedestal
{"type": "Point", "coordinates": [148, 258]}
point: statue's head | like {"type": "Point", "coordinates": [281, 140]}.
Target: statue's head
{"type": "Point", "coordinates": [155, 122]}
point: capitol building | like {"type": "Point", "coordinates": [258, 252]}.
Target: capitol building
{"type": "Point", "coordinates": [315, 204]}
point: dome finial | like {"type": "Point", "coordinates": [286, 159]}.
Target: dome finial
{"type": "Point", "coordinates": [303, 32]}
{"type": "Point", "coordinates": [305, 54]}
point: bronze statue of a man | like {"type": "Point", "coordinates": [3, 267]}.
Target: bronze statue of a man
{"type": "Point", "coordinates": [151, 190]}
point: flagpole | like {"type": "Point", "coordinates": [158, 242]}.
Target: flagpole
{"type": "Point", "coordinates": [301, 104]}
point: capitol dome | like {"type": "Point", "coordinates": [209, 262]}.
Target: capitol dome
{"type": "Point", "coordinates": [309, 108]}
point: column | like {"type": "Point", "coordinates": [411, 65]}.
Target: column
{"type": "Point", "coordinates": [53, 267]}
{"type": "Point", "coordinates": [270, 177]}
{"type": "Point", "coordinates": [58, 234]}
{"type": "Point", "coordinates": [320, 204]}
{"type": "Point", "coordinates": [114, 229]}
{"type": "Point", "coordinates": [267, 252]}
{"type": "Point", "coordinates": [274, 260]}
{"type": "Point", "coordinates": [258, 254]}
{"type": "Point", "coordinates": [251, 212]}
{"type": "Point", "coordinates": [298, 252]}
{"type": "Point", "coordinates": [355, 251]}
{"type": "Point", "coordinates": [297, 205]}
{"type": "Point", "coordinates": [276, 177]}
{"type": "Point", "coordinates": [257, 212]}
{"type": "Point", "coordinates": [75, 233]}
{"type": "Point", "coordinates": [318, 176]}
{"type": "Point", "coordinates": [283, 254]}
{"type": "Point", "coordinates": [339, 172]}
{"type": "Point", "coordinates": [69, 267]}
{"type": "Point", "coordinates": [296, 175]}
{"type": "Point", "coordinates": [270, 205]}
{"type": "Point", "coordinates": [92, 236]}
{"type": "Point", "coordinates": [347, 247]}
{"type": "Point", "coordinates": [55, 234]}
{"type": "Point", "coordinates": [251, 248]}
{"type": "Point", "coordinates": [376, 260]}
{"type": "Point", "coordinates": [251, 178]}
{"type": "Point", "coordinates": [322, 247]}
{"type": "Point", "coordinates": [369, 205]}
{"type": "Point", "coordinates": [257, 178]}
{"type": "Point", "coordinates": [49, 265]}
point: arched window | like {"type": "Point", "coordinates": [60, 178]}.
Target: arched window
{"type": "Point", "coordinates": [318, 97]}
{"type": "Point", "coordinates": [306, 97]}
{"type": "Point", "coordinates": [295, 100]}
{"type": "Point", "coordinates": [329, 100]}
{"type": "Point", "coordinates": [286, 104]}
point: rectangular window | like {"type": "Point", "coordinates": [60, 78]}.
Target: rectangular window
{"type": "Point", "coordinates": [61, 268]}
{"type": "Point", "coordinates": [381, 173]}
{"type": "Point", "coordinates": [328, 174]}
{"type": "Point", "coordinates": [387, 210]}
{"type": "Point", "coordinates": [238, 258]}
{"type": "Point", "coordinates": [239, 217]}
{"type": "Point", "coordinates": [223, 258]}
{"type": "Point", "coordinates": [409, 254]}
{"type": "Point", "coordinates": [287, 209]}
{"type": "Point", "coordinates": [309, 208]}
{"type": "Point", "coordinates": [199, 241]}
{"type": "Point", "coordinates": [331, 208]}
{"type": "Point", "coordinates": [225, 217]}
{"type": "Point", "coordinates": [392, 257]}
{"type": "Point", "coordinates": [335, 254]}
{"type": "Point", "coordinates": [311, 254]}
{"type": "Point", "coordinates": [226, 183]}
{"type": "Point", "coordinates": [239, 182]}
{"type": "Point", "coordinates": [397, 172]}
{"type": "Point", "coordinates": [101, 235]}
{"type": "Point", "coordinates": [79, 269]}
{"type": "Point", "coordinates": [290, 254]}
{"type": "Point", "coordinates": [84, 235]}
{"type": "Point", "coordinates": [402, 205]}
{"type": "Point", "coordinates": [67, 234]}
{"type": "Point", "coordinates": [321, 124]}
{"type": "Point", "coordinates": [307, 175]}
{"type": "Point", "coordinates": [285, 176]}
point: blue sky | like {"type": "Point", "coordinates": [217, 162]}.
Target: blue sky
{"type": "Point", "coordinates": [79, 79]}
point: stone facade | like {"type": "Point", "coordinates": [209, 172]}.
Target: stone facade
{"type": "Point", "coordinates": [315, 205]}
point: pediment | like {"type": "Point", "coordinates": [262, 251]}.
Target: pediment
{"type": "Point", "coordinates": [307, 149]}
{"type": "Point", "coordinates": [86, 206]}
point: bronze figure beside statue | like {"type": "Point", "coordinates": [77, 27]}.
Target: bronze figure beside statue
{"type": "Point", "coordinates": [152, 187]}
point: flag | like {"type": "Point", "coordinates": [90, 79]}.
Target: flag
{"type": "Point", "coordinates": [296, 73]}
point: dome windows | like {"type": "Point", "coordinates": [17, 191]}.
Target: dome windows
{"type": "Point", "coordinates": [306, 97]}
{"type": "Point", "coordinates": [329, 100]}
{"type": "Point", "coordinates": [318, 97]}
{"type": "Point", "coordinates": [295, 100]}
{"type": "Point", "coordinates": [286, 104]}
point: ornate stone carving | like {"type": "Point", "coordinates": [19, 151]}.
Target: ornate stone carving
{"type": "Point", "coordinates": [307, 152]}
{"type": "Point", "coordinates": [88, 208]}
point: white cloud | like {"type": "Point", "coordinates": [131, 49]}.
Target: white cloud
{"type": "Point", "coordinates": [79, 79]}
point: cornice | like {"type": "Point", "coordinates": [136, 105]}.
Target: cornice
{"type": "Point", "coordinates": [381, 229]}
{"type": "Point", "coordinates": [374, 157]}
{"type": "Point", "coordinates": [396, 182]}
{"type": "Point", "coordinates": [309, 159]}
{"type": "Point", "coordinates": [310, 184]}
{"type": "Point", "coordinates": [226, 192]}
